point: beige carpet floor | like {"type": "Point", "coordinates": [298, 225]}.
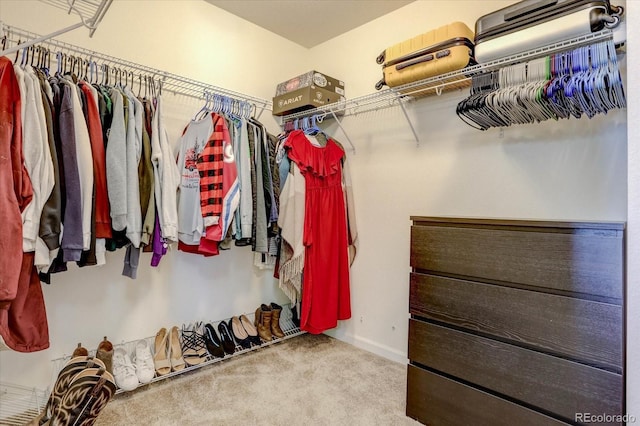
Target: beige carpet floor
{"type": "Point", "coordinates": [306, 380]}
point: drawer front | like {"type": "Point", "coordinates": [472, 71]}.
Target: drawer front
{"type": "Point", "coordinates": [585, 261]}
{"type": "Point", "coordinates": [584, 330]}
{"type": "Point", "coordinates": [437, 401]}
{"type": "Point", "coordinates": [549, 383]}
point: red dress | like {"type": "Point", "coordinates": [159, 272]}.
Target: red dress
{"type": "Point", "coordinates": [325, 286]}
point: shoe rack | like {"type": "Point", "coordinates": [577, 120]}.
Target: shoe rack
{"type": "Point", "coordinates": [20, 404]}
{"type": "Point", "coordinates": [287, 325]}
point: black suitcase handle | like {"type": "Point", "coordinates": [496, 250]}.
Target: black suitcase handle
{"type": "Point", "coordinates": [529, 9]}
{"type": "Point", "coordinates": [459, 41]}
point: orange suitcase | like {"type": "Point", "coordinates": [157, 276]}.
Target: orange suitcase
{"type": "Point", "coordinates": [445, 49]}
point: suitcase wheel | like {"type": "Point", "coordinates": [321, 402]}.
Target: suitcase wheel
{"type": "Point", "coordinates": [380, 84]}
{"type": "Point", "coordinates": [380, 58]}
{"type": "Point", "coordinates": [617, 10]}
{"type": "Point", "coordinates": [612, 22]}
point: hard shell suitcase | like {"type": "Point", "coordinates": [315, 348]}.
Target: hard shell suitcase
{"type": "Point", "coordinates": [531, 24]}
{"type": "Point", "coordinates": [445, 49]}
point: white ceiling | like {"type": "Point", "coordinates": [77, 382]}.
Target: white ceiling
{"type": "Point", "coordinates": [309, 22]}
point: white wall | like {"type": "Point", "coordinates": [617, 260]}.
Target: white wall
{"type": "Point", "coordinates": [196, 40]}
{"type": "Point", "coordinates": [570, 170]}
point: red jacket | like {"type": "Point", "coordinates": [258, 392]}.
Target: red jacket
{"type": "Point", "coordinates": [23, 317]}
{"type": "Point", "coordinates": [103, 217]}
{"type": "Point", "coordinates": [15, 186]}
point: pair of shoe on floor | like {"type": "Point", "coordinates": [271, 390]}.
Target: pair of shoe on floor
{"type": "Point", "coordinates": [265, 327]}
{"type": "Point", "coordinates": [104, 353]}
{"type": "Point", "coordinates": [128, 374]}
{"type": "Point", "coordinates": [198, 342]}
{"type": "Point", "coordinates": [267, 322]}
{"type": "Point", "coordinates": [81, 391]}
{"type": "Point", "coordinates": [167, 355]}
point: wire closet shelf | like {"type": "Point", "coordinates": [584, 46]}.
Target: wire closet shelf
{"type": "Point", "coordinates": [400, 95]}
{"type": "Point", "coordinates": [20, 404]}
{"type": "Point", "coordinates": [90, 13]}
{"type": "Point", "coordinates": [173, 83]}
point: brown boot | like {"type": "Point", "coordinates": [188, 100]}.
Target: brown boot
{"type": "Point", "coordinates": [105, 354]}
{"type": "Point", "coordinates": [275, 321]}
{"type": "Point", "coordinates": [263, 322]}
{"type": "Point", "coordinates": [79, 351]}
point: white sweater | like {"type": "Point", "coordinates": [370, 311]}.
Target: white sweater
{"type": "Point", "coordinates": [47, 179]}
{"type": "Point", "coordinates": [37, 157]}
{"type": "Point", "coordinates": [166, 176]}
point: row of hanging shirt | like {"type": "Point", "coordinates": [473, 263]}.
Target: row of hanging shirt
{"type": "Point", "coordinates": [585, 81]}
{"type": "Point", "coordinates": [101, 167]}
{"type": "Point", "coordinates": [229, 185]}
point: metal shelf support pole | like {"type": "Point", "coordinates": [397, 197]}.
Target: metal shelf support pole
{"type": "Point", "coordinates": [335, 117]}
{"type": "Point", "coordinates": [39, 39]}
{"type": "Point", "coordinates": [413, 130]}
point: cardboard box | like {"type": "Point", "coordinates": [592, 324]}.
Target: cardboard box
{"type": "Point", "coordinates": [311, 78]}
{"type": "Point", "coordinates": [303, 99]}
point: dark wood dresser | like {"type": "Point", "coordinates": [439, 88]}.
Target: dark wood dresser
{"type": "Point", "coordinates": [516, 322]}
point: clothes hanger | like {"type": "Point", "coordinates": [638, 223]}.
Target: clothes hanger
{"type": "Point", "coordinates": [312, 127]}
{"type": "Point", "coordinates": [25, 57]}
{"type": "Point", "coordinates": [34, 51]}
{"type": "Point", "coordinates": [152, 87]}
{"type": "Point", "coordinates": [146, 86]}
{"type": "Point", "coordinates": [58, 63]}
{"type": "Point", "coordinates": [205, 107]}
{"type": "Point", "coordinates": [15, 61]}
{"type": "Point", "coordinates": [139, 84]}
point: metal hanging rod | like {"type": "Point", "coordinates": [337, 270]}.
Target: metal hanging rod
{"type": "Point", "coordinates": [90, 13]}
{"type": "Point", "coordinates": [396, 96]}
{"type": "Point", "coordinates": [170, 82]}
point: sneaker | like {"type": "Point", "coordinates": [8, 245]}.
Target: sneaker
{"type": "Point", "coordinates": [143, 360]}
{"type": "Point", "coordinates": [124, 371]}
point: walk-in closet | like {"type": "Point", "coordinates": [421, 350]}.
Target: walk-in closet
{"type": "Point", "coordinates": [459, 248]}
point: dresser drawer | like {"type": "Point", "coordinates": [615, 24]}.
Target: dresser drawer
{"type": "Point", "coordinates": [545, 382]}
{"type": "Point", "coordinates": [588, 261]}
{"type": "Point", "coordinates": [579, 329]}
{"type": "Point", "coordinates": [437, 401]}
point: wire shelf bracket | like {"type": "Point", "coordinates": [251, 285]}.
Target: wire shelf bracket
{"type": "Point", "coordinates": [90, 12]}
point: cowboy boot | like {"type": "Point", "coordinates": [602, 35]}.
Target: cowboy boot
{"type": "Point", "coordinates": [79, 351]}
{"type": "Point", "coordinates": [105, 354]}
{"type": "Point", "coordinates": [263, 322]}
{"type": "Point", "coordinates": [276, 310]}
{"type": "Point", "coordinates": [73, 367]}
{"type": "Point", "coordinates": [88, 393]}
